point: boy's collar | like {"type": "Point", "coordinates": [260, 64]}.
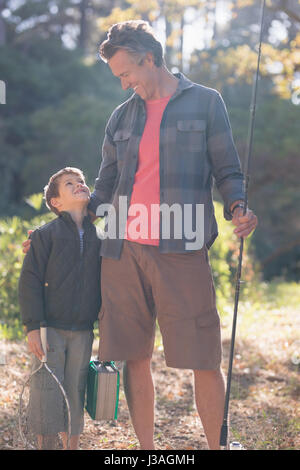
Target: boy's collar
{"type": "Point", "coordinates": [67, 216]}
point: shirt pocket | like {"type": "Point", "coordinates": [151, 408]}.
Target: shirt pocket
{"type": "Point", "coordinates": [121, 141]}
{"type": "Point", "coordinates": [191, 135]}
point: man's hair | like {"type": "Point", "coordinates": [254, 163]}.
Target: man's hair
{"type": "Point", "coordinates": [52, 188]}
{"type": "Point", "coordinates": [136, 37]}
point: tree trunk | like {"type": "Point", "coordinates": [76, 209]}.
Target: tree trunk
{"type": "Point", "coordinates": [83, 25]}
{"type": "Point", "coordinates": [2, 24]}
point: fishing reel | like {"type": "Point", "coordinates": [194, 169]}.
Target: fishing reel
{"type": "Point", "coordinates": [236, 446]}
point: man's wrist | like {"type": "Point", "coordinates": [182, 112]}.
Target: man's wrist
{"type": "Point", "coordinates": [239, 204]}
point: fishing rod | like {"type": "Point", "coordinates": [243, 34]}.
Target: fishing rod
{"type": "Point", "coordinates": [224, 428]}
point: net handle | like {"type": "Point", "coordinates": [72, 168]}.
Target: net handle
{"type": "Point", "coordinates": [43, 333]}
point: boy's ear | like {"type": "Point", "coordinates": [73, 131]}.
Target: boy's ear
{"type": "Point", "coordinates": [55, 202]}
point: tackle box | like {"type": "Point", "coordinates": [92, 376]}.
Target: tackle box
{"type": "Point", "coordinates": [102, 390]}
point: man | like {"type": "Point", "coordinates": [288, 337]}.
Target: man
{"type": "Point", "coordinates": [162, 149]}
{"type": "Point", "coordinates": [163, 146]}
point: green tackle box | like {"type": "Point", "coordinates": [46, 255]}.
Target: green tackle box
{"type": "Point", "coordinates": [102, 390]}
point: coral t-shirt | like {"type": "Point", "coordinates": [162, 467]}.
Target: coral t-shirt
{"type": "Point", "coordinates": [143, 214]}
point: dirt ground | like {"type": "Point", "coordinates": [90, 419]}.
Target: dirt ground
{"type": "Point", "coordinates": [264, 405]}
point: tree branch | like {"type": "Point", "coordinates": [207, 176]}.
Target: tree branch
{"type": "Point", "coordinates": [283, 6]}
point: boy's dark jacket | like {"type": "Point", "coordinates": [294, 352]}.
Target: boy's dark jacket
{"type": "Point", "coordinates": [58, 283]}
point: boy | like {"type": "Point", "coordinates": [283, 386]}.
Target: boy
{"type": "Point", "coordinates": [60, 284]}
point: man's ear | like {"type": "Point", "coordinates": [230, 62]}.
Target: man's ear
{"type": "Point", "coordinates": [149, 58]}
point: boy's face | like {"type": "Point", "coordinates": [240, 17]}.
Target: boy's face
{"type": "Point", "coordinates": [73, 193]}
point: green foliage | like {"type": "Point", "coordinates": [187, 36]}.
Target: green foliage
{"type": "Point", "coordinates": [57, 107]}
{"type": "Point", "coordinates": [13, 231]}
{"type": "Point", "coordinates": [59, 100]}
{"type": "Point", "coordinates": [224, 261]}
{"type": "Point", "coordinates": [274, 182]}
{"type": "Point", "coordinates": [35, 201]}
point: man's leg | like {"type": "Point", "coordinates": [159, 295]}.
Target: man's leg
{"type": "Point", "coordinates": [139, 391]}
{"type": "Point", "coordinates": [210, 398]}
{"type": "Point", "coordinates": [74, 441]}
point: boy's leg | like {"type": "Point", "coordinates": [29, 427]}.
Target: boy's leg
{"type": "Point", "coordinates": [45, 404]}
{"type": "Point", "coordinates": [78, 354]}
{"type": "Point", "coordinates": [139, 390]}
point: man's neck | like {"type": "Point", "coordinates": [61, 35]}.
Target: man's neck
{"type": "Point", "coordinates": [165, 84]}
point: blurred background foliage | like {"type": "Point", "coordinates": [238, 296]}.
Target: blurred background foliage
{"type": "Point", "coordinates": [59, 96]}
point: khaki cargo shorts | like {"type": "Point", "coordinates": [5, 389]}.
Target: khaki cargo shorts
{"type": "Point", "coordinates": [177, 290]}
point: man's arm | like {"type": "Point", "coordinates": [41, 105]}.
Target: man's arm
{"type": "Point", "coordinates": [225, 162]}
{"type": "Point", "coordinates": [226, 169]}
{"type": "Point", "coordinates": [105, 181]}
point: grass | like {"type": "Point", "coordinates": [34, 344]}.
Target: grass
{"type": "Point", "coordinates": [265, 389]}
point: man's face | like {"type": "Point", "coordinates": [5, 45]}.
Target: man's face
{"type": "Point", "coordinates": [73, 192]}
{"type": "Point", "coordinates": [132, 75]}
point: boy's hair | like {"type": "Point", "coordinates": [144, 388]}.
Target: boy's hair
{"type": "Point", "coordinates": [52, 188]}
{"type": "Point", "coordinates": [135, 37]}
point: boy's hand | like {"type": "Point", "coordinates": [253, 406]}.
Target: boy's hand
{"type": "Point", "coordinates": [26, 244]}
{"type": "Point", "coordinates": [35, 344]}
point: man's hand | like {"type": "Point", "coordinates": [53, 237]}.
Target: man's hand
{"type": "Point", "coordinates": [92, 216]}
{"type": "Point", "coordinates": [35, 344]}
{"type": "Point", "coordinates": [26, 244]}
{"type": "Point", "coordinates": [245, 224]}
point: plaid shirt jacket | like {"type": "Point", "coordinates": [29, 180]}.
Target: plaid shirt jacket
{"type": "Point", "coordinates": [196, 148]}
